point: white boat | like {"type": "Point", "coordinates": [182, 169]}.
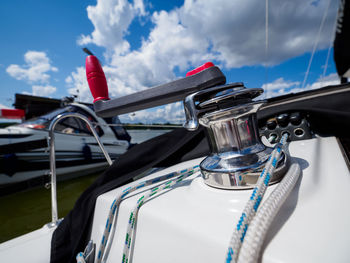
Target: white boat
{"type": "Point", "coordinates": [246, 200]}
{"type": "Point", "coordinates": [24, 155]}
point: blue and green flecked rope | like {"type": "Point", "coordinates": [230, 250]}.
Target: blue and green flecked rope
{"type": "Point", "coordinates": [113, 212]}
{"type": "Point", "coordinates": [133, 215]}
{"type": "Point", "coordinates": [242, 225]}
{"type": "Point", "coordinates": [254, 202]}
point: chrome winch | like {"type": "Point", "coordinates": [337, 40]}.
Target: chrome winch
{"type": "Point", "coordinates": [227, 111]}
{"type": "Point", "coordinates": [237, 154]}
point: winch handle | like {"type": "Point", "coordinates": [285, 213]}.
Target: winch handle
{"type": "Point", "coordinates": [177, 90]}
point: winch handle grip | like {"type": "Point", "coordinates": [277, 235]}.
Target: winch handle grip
{"type": "Point", "coordinates": [96, 79]}
{"type": "Point", "coordinates": [173, 91]}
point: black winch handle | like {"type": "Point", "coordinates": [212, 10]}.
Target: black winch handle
{"type": "Point", "coordinates": [201, 78]}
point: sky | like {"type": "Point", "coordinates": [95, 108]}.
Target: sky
{"type": "Point", "coordinates": [142, 44]}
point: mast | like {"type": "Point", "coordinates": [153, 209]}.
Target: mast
{"type": "Point", "coordinates": [342, 41]}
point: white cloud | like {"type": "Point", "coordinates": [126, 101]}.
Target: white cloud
{"type": "Point", "coordinates": [43, 91]}
{"type": "Point", "coordinates": [332, 79]}
{"type": "Point", "coordinates": [111, 20]}
{"type": "Point", "coordinates": [233, 32]}
{"type": "Point", "coordinates": [172, 113]}
{"type": "Point", "coordinates": [236, 29]}
{"type": "Point", "coordinates": [2, 106]}
{"type": "Point", "coordinates": [78, 85]}
{"type": "Point", "coordinates": [230, 32]}
{"type": "Point", "coordinates": [35, 70]}
{"type": "Point", "coordinates": [281, 86]}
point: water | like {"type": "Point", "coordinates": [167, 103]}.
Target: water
{"type": "Point", "coordinates": [29, 210]}
{"type": "Point", "coordinates": [138, 136]}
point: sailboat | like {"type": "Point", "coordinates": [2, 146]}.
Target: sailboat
{"type": "Point", "coordinates": [233, 196]}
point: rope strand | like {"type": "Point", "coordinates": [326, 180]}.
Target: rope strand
{"type": "Point", "coordinates": [129, 238]}
{"type": "Point", "coordinates": [111, 221]}
{"type": "Point", "coordinates": [254, 202]}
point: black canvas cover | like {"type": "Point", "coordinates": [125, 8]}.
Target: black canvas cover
{"type": "Point", "coordinates": [73, 233]}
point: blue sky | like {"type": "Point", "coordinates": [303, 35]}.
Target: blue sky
{"type": "Point", "coordinates": [146, 43]}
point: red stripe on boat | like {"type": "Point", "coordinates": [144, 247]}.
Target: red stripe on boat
{"type": "Point", "coordinates": [12, 113]}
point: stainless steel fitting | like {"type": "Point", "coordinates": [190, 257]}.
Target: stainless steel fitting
{"type": "Point", "coordinates": [237, 153]}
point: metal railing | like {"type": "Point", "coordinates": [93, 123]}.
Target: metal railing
{"type": "Point", "coordinates": [51, 140]}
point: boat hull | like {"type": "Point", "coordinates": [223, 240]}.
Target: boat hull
{"type": "Point", "coordinates": [22, 170]}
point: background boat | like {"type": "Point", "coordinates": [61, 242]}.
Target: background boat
{"type": "Point", "coordinates": [24, 158]}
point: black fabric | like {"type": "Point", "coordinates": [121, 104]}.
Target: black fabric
{"type": "Point", "coordinates": [73, 233]}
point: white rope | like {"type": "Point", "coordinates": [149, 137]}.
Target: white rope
{"type": "Point", "coordinates": [80, 258]}
{"type": "Point", "coordinates": [130, 233]}
{"type": "Point", "coordinates": [111, 222]}
{"type": "Point", "coordinates": [256, 233]}
{"type": "Point", "coordinates": [254, 202]}
{"type": "Point", "coordinates": [315, 44]}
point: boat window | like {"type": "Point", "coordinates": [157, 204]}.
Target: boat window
{"type": "Point", "coordinates": [68, 125]}
{"type": "Point", "coordinates": [118, 131]}
{"type": "Point", "coordinates": [84, 127]}
{"type": "Point", "coordinates": [43, 121]}
{"type": "Point", "coordinates": [77, 126]}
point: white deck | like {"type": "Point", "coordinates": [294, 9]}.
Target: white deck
{"type": "Point", "coordinates": [194, 222]}
{"type": "Point", "coordinates": [32, 247]}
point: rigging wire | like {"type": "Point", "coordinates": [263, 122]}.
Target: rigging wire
{"type": "Point", "coordinates": [266, 44]}
{"type": "Point", "coordinates": [330, 47]}
{"type": "Point", "coordinates": [316, 43]}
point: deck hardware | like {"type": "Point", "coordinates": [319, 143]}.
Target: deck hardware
{"type": "Point", "coordinates": [237, 154]}
{"type": "Point", "coordinates": [51, 139]}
